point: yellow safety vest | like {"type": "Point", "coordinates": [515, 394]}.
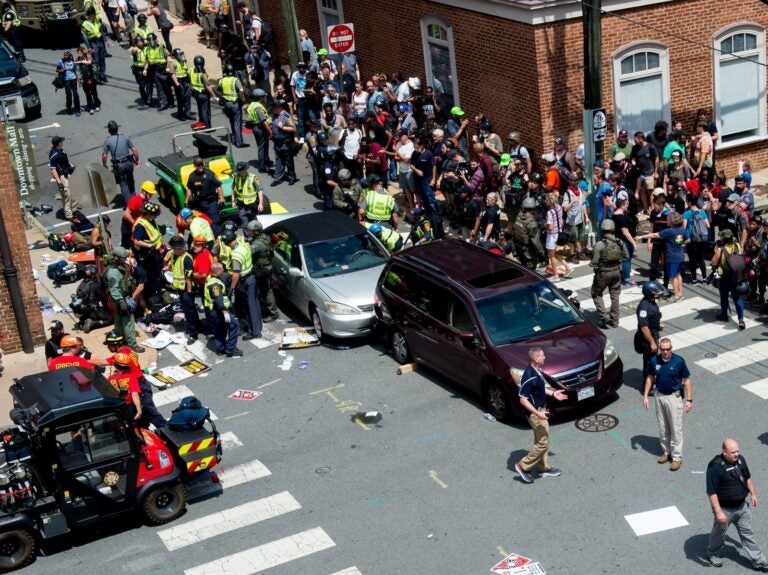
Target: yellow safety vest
{"type": "Point", "coordinates": [156, 55]}
{"type": "Point", "coordinates": [251, 112]}
{"type": "Point", "coordinates": [139, 58]}
{"type": "Point", "coordinates": [228, 87]}
{"type": "Point", "coordinates": [199, 227]}
{"type": "Point", "coordinates": [225, 254]}
{"type": "Point", "coordinates": [142, 32]}
{"type": "Point", "coordinates": [389, 238]}
{"type": "Point", "coordinates": [210, 283]}
{"type": "Point", "coordinates": [92, 29]}
{"type": "Point", "coordinates": [246, 189]}
{"type": "Point", "coordinates": [182, 69]}
{"type": "Point", "coordinates": [242, 254]}
{"type": "Point", "coordinates": [179, 273]}
{"type": "Point", "coordinates": [154, 236]}
{"type": "Point", "coordinates": [96, 6]}
{"type": "Point", "coordinates": [379, 206]}
{"type": "Point", "coordinates": [196, 79]}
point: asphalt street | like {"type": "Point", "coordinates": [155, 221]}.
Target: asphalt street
{"type": "Point", "coordinates": [430, 487]}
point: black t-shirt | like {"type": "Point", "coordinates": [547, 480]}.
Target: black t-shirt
{"type": "Point", "coordinates": [659, 143]}
{"type": "Point", "coordinates": [468, 211]}
{"type": "Point", "coordinates": [490, 216]}
{"type": "Point", "coordinates": [728, 481]}
{"type": "Point", "coordinates": [424, 162]}
{"type": "Point", "coordinates": [649, 315]}
{"type": "Point", "coordinates": [203, 186]}
{"type": "Point", "coordinates": [624, 221]}
{"type": "Point", "coordinates": [677, 202]}
{"type": "Point", "coordinates": [724, 219]}
{"type": "Point", "coordinates": [52, 347]}
{"type": "Point", "coordinates": [644, 156]}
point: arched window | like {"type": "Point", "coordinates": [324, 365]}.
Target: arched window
{"type": "Point", "coordinates": [640, 87]}
{"type": "Point", "coordinates": [440, 60]}
{"type": "Point", "coordinates": [740, 83]}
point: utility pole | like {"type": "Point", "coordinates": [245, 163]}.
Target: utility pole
{"type": "Point", "coordinates": [593, 94]}
{"type": "Point", "coordinates": [291, 32]}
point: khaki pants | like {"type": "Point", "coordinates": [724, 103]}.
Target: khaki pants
{"type": "Point", "coordinates": [537, 455]}
{"type": "Point", "coordinates": [67, 201]}
{"type": "Point", "coordinates": [610, 279]}
{"type": "Point", "coordinates": [669, 412]}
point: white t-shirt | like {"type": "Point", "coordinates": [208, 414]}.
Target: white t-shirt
{"type": "Point", "coordinates": [352, 143]}
{"type": "Point", "coordinates": [405, 152]}
{"type": "Point", "coordinates": [403, 92]}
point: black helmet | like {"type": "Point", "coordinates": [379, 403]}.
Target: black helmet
{"type": "Point", "coordinates": [373, 179]}
{"type": "Point", "coordinates": [151, 36]}
{"type": "Point", "coordinates": [142, 17]}
{"type": "Point", "coordinates": [228, 70]}
{"type": "Point", "coordinates": [228, 236]}
{"type": "Point", "coordinates": [229, 225]}
{"type": "Point", "coordinates": [178, 53]}
{"type": "Point", "coordinates": [537, 177]}
{"type": "Point", "coordinates": [177, 242]}
{"type": "Point", "coordinates": [199, 61]}
{"type": "Point", "coordinates": [90, 270]}
{"type": "Point", "coordinates": [114, 337]}
{"type": "Point", "coordinates": [652, 288]}
{"type": "Point", "coordinates": [322, 137]}
{"type": "Point", "coordinates": [150, 208]}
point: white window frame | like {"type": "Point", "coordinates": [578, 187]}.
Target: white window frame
{"type": "Point", "coordinates": [717, 38]}
{"type": "Point", "coordinates": [427, 40]}
{"type": "Point", "coordinates": [630, 50]}
{"type": "Point", "coordinates": [323, 13]}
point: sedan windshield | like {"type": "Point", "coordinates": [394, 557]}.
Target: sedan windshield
{"type": "Point", "coordinates": [343, 255]}
{"type": "Point", "coordinates": [525, 313]}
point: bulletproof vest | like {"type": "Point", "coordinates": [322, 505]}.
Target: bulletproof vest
{"type": "Point", "coordinates": [264, 256]}
{"type": "Point", "coordinates": [612, 254]}
{"type": "Point", "coordinates": [520, 233]}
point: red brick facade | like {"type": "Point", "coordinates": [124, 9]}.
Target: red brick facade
{"type": "Point", "coordinates": [529, 77]}
{"type": "Point", "coordinates": [9, 198]}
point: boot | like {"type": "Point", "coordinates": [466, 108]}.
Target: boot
{"type": "Point", "coordinates": [88, 325]}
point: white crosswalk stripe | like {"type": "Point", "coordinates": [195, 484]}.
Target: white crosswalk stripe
{"type": "Point", "coordinates": [759, 388]}
{"type": "Point", "coordinates": [268, 555]}
{"type": "Point", "coordinates": [228, 477]}
{"type": "Point", "coordinates": [173, 394]}
{"type": "Point", "coordinates": [671, 311]}
{"type": "Point", "coordinates": [736, 358]}
{"type": "Point", "coordinates": [705, 332]}
{"type": "Point", "coordinates": [628, 295]}
{"type": "Point", "coordinates": [229, 441]}
{"type": "Point", "coordinates": [348, 571]}
{"type": "Point", "coordinates": [198, 530]}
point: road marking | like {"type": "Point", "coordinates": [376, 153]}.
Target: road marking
{"type": "Point", "coordinates": [361, 423]}
{"type": "Point", "coordinates": [229, 440]}
{"type": "Point", "coordinates": [198, 530]}
{"type": "Point", "coordinates": [759, 388]}
{"type": "Point", "coordinates": [270, 382]}
{"type": "Point", "coordinates": [656, 520]}
{"type": "Point", "coordinates": [171, 395]}
{"type": "Point", "coordinates": [436, 479]}
{"type": "Point", "coordinates": [91, 217]}
{"type": "Point", "coordinates": [348, 571]}
{"type": "Point", "coordinates": [627, 296]}
{"type": "Point", "coordinates": [737, 358]}
{"type": "Point", "coordinates": [672, 311]}
{"type": "Point", "coordinates": [268, 555]}
{"type": "Point", "coordinates": [229, 477]}
{"type": "Point", "coordinates": [705, 332]}
{"type": "Point", "coordinates": [237, 415]}
{"type": "Point", "coordinates": [575, 284]}
{"type": "Point", "coordinates": [617, 436]}
{"type": "Point", "coordinates": [54, 125]}
{"type": "Point", "coordinates": [501, 551]}
{"type": "Point", "coordinates": [327, 389]}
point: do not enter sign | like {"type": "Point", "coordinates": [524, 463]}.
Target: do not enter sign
{"type": "Point", "coordinates": [341, 38]}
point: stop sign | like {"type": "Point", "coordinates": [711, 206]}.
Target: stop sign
{"type": "Point", "coordinates": [341, 38]}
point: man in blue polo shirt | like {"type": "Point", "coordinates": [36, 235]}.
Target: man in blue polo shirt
{"type": "Point", "coordinates": [670, 375]}
{"type": "Point", "coordinates": [533, 397]}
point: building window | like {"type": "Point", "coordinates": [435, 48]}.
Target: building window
{"type": "Point", "coordinates": [640, 87]}
{"type": "Point", "coordinates": [440, 61]}
{"type": "Point", "coordinates": [330, 13]}
{"type": "Point", "coordinates": [740, 83]}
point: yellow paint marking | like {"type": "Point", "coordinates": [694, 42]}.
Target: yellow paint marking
{"type": "Point", "coordinates": [501, 551]}
{"type": "Point", "coordinates": [327, 389]}
{"type": "Point", "coordinates": [237, 415]}
{"type": "Point", "coordinates": [361, 424]}
{"type": "Point", "coordinates": [436, 479]}
{"type": "Point", "coordinates": [277, 208]}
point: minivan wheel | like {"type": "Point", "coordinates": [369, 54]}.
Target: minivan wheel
{"type": "Point", "coordinates": [17, 549]}
{"type": "Point", "coordinates": [497, 401]}
{"type": "Point", "coordinates": [400, 348]}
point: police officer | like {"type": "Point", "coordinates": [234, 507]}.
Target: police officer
{"type": "Point", "coordinates": [283, 131]}
{"type": "Point", "coordinates": [248, 194]}
{"type": "Point", "coordinates": [204, 193]}
{"type": "Point", "coordinates": [421, 227]}
{"type": "Point", "coordinates": [141, 30]}
{"type": "Point", "coordinates": [607, 256]}
{"type": "Point", "coordinates": [328, 167]}
{"type": "Point", "coordinates": [244, 283]}
{"type": "Point", "coordinates": [261, 253]}
{"type": "Point", "coordinates": [61, 170]}
{"type": "Point", "coordinates": [95, 38]}
{"type": "Point", "coordinates": [389, 237]}
{"type": "Point", "coordinates": [231, 90]}
{"type": "Point", "coordinates": [258, 115]}
{"type": "Point", "coordinates": [221, 250]}
{"type": "Point", "coordinates": [179, 263]}
{"type": "Point", "coordinates": [346, 193]}
{"type": "Point", "coordinates": [648, 324]}
{"type": "Point", "coordinates": [119, 286]}
{"type": "Point", "coordinates": [179, 75]}
{"type": "Point", "coordinates": [218, 310]}
{"type": "Point", "coordinates": [11, 25]}
{"type": "Point", "coordinates": [526, 235]}
{"type": "Point", "coordinates": [138, 63]}
{"type": "Point", "coordinates": [156, 72]}
{"type": "Point", "coordinates": [202, 91]}
{"type": "Point", "coordinates": [148, 247]}
{"type": "Point", "coordinates": [378, 205]}
{"type": "Point", "coordinates": [125, 157]}
{"type": "Point", "coordinates": [197, 226]}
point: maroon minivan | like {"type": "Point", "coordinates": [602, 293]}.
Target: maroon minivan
{"type": "Point", "coordinates": [472, 316]}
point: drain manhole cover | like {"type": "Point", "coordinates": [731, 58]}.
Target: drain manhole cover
{"type": "Point", "coordinates": [597, 422]}
{"type": "Point", "coordinates": [710, 355]}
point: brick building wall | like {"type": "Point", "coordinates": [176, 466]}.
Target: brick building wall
{"type": "Point", "coordinates": [530, 78]}
{"type": "Point", "coordinates": [14, 226]}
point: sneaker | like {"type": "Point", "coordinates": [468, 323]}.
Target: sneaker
{"type": "Point", "coordinates": [714, 560]}
{"type": "Point", "coordinates": [91, 112]}
{"type": "Point", "coordinates": [191, 339]}
{"type": "Point", "coordinates": [555, 279]}
{"type": "Point", "coordinates": [98, 109]}
{"type": "Point", "coordinates": [663, 458]}
{"type": "Point", "coordinates": [551, 472]}
{"type": "Point", "coordinates": [524, 475]}
{"type": "Point", "coordinates": [630, 283]}
{"type": "Point", "coordinates": [760, 565]}
{"type": "Point", "coordinates": [675, 465]}
{"type": "Point", "coordinates": [235, 353]}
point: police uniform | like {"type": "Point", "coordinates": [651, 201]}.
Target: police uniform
{"type": "Point", "coordinates": [648, 315]}
{"type": "Point", "coordinates": [230, 88]}
{"type": "Point", "coordinates": [247, 287]}
{"type": "Point", "coordinates": [345, 199]}
{"type": "Point", "coordinates": [120, 288]}
{"type": "Point", "coordinates": [216, 302]}
{"type": "Point", "coordinates": [11, 25]}
{"type": "Point", "coordinates": [93, 35]}
{"type": "Point", "coordinates": [157, 76]}
{"type": "Point", "coordinates": [138, 63]}
{"type": "Point", "coordinates": [526, 235]}
{"type": "Point", "coordinates": [119, 147]}
{"type": "Point", "coordinates": [245, 190]}
{"type": "Point", "coordinates": [204, 195]}
{"type": "Point", "coordinates": [261, 252]}
{"type": "Point", "coordinates": [421, 232]}
{"type": "Point", "coordinates": [284, 165]}
{"type": "Point", "coordinates": [181, 268]}
{"type": "Point", "coordinates": [607, 276]}
{"type": "Point", "coordinates": [258, 114]}
{"type": "Point", "coordinates": [392, 240]}
{"type": "Point", "coordinates": [183, 90]}
{"type": "Point", "coordinates": [223, 253]}
{"type": "Point", "coordinates": [198, 82]}
{"type": "Point", "coordinates": [379, 206]}
{"type": "Point", "coordinates": [149, 259]}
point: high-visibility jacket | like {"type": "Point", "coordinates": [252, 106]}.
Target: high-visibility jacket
{"type": "Point", "coordinates": [242, 253]}
{"type": "Point", "coordinates": [156, 55]}
{"type": "Point", "coordinates": [212, 285]}
{"type": "Point", "coordinates": [199, 227]}
{"type": "Point", "coordinates": [138, 58]}
{"type": "Point", "coordinates": [179, 273]}
{"type": "Point", "coordinates": [224, 254]}
{"type": "Point", "coordinates": [197, 80]}
{"type": "Point", "coordinates": [16, 21]}
{"type": "Point", "coordinates": [379, 206]}
{"type": "Point", "coordinates": [154, 236]}
{"type": "Point", "coordinates": [252, 112]}
{"type": "Point", "coordinates": [92, 29]}
{"type": "Point", "coordinates": [182, 69]}
{"type": "Point", "coordinates": [228, 87]}
{"type": "Point", "coordinates": [389, 238]}
{"type": "Point", "coordinates": [142, 32]}
{"type": "Point", "coordinates": [246, 189]}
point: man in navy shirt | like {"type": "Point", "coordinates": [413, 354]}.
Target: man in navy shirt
{"type": "Point", "coordinates": [533, 397]}
{"type": "Point", "coordinates": [423, 167]}
{"type": "Point", "coordinates": [670, 375]}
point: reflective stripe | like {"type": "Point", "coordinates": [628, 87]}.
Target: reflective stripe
{"type": "Point", "coordinates": [92, 29]}
{"type": "Point", "coordinates": [245, 189]}
{"type": "Point", "coordinates": [199, 227]}
{"type": "Point", "coordinates": [242, 254]}
{"type": "Point", "coordinates": [154, 236]}
{"type": "Point", "coordinates": [207, 299]}
{"type": "Point", "coordinates": [379, 206]}
{"type": "Point", "coordinates": [179, 274]}
{"type": "Point", "coordinates": [139, 58]}
{"type": "Point", "coordinates": [142, 32]}
{"type": "Point", "coordinates": [196, 79]}
{"type": "Point", "coordinates": [228, 88]}
{"type": "Point", "coordinates": [252, 109]}
{"type": "Point", "coordinates": [16, 21]}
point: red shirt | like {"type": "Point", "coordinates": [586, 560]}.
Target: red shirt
{"type": "Point", "coordinates": [126, 383]}
{"type": "Point", "coordinates": [135, 365]}
{"type": "Point", "coordinates": [68, 360]}
{"type": "Point", "coordinates": [134, 206]}
{"type": "Point", "coordinates": [202, 265]}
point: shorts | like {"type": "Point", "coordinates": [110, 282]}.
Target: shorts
{"type": "Point", "coordinates": [113, 15]}
{"type": "Point", "coordinates": [576, 231]}
{"type": "Point", "coordinates": [208, 22]}
{"type": "Point", "coordinates": [649, 182]}
{"type": "Point", "coordinates": [406, 181]}
{"type": "Point", "coordinates": [551, 242]}
{"type": "Point", "coordinates": [674, 269]}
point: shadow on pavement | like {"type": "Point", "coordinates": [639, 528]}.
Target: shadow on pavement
{"type": "Point", "coordinates": [647, 443]}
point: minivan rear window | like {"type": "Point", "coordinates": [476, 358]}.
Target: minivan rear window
{"type": "Point", "coordinates": [495, 278]}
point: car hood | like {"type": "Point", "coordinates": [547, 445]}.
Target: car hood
{"type": "Point", "coordinates": [566, 349]}
{"type": "Point", "coordinates": [8, 68]}
{"type": "Point", "coordinates": [353, 288]}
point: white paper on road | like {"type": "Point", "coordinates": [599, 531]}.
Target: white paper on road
{"type": "Point", "coordinates": [656, 520]}
{"type": "Point", "coordinates": [161, 340]}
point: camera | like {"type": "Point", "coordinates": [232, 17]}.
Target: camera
{"type": "Point", "coordinates": [463, 168]}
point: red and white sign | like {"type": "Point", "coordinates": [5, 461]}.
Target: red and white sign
{"type": "Point", "coordinates": [512, 564]}
{"type": "Point", "coordinates": [341, 38]}
{"type": "Point", "coordinates": [245, 394]}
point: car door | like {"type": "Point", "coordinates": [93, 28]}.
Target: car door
{"type": "Point", "coordinates": [407, 301]}
{"type": "Point", "coordinates": [287, 270]}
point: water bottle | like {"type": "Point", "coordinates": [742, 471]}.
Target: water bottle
{"type": "Point", "coordinates": [489, 417]}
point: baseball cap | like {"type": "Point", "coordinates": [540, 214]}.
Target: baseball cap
{"type": "Point", "coordinates": [112, 125]}
{"type": "Point", "coordinates": [620, 156]}
{"type": "Point", "coordinates": [559, 141]}
{"type": "Point", "coordinates": [56, 140]}
{"type": "Point", "coordinates": [623, 133]}
{"type": "Point", "coordinates": [658, 192]}
{"type": "Point", "coordinates": [241, 166]}
{"type": "Point", "coordinates": [548, 158]}
{"type": "Point", "coordinates": [456, 111]}
{"type": "Point", "coordinates": [403, 132]}
{"type": "Point", "coordinates": [56, 324]}
{"type": "Point", "coordinates": [734, 198]}
{"type": "Point", "coordinates": [505, 160]}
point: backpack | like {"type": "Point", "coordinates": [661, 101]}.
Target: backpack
{"type": "Point", "coordinates": [267, 33]}
{"type": "Point", "coordinates": [132, 9]}
{"type": "Point", "coordinates": [733, 264]}
{"type": "Point", "coordinates": [189, 415]}
{"type": "Point", "coordinates": [56, 243]}
{"type": "Point", "coordinates": [612, 254]}
{"type": "Point", "coordinates": [699, 230]}
{"type": "Point", "coordinates": [62, 272]}
{"type": "Point", "coordinates": [565, 173]}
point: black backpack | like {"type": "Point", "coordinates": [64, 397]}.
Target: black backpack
{"type": "Point", "coordinates": [189, 415]}
{"type": "Point", "coordinates": [267, 33]}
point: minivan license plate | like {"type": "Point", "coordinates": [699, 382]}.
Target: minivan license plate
{"type": "Point", "coordinates": [586, 393]}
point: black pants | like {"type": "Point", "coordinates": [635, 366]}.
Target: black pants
{"type": "Point", "coordinates": [152, 264]}
{"type": "Point", "coordinates": [696, 259]}
{"type": "Point", "coordinates": [657, 269]}
{"type": "Point", "coordinates": [141, 82]}
{"type": "Point", "coordinates": [90, 87]}
{"type": "Point", "coordinates": [149, 412]}
{"type": "Point", "coordinates": [124, 178]}
{"type": "Point", "coordinates": [190, 313]}
{"type": "Point", "coordinates": [183, 100]}
{"type": "Point", "coordinates": [262, 144]}
{"type": "Point", "coordinates": [203, 107]}
{"type": "Point", "coordinates": [72, 96]}
{"type": "Point", "coordinates": [166, 32]}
